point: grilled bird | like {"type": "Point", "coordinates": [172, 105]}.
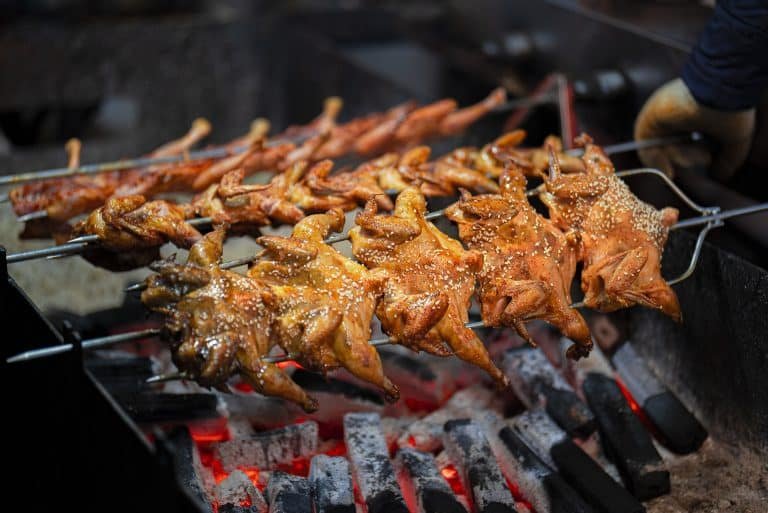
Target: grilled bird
{"type": "Point", "coordinates": [326, 301]}
{"type": "Point", "coordinates": [528, 263]}
{"type": "Point", "coordinates": [131, 231]}
{"type": "Point", "coordinates": [430, 280]}
{"type": "Point", "coordinates": [64, 198]}
{"type": "Point", "coordinates": [622, 238]}
{"type": "Point", "coordinates": [218, 322]}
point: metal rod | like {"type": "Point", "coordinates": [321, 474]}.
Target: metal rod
{"type": "Point", "coordinates": [721, 216]}
{"type": "Point", "coordinates": [162, 378]}
{"type": "Point", "coordinates": [629, 146]}
{"type": "Point", "coordinates": [117, 165]}
{"type": "Point", "coordinates": [697, 251]}
{"type": "Point", "coordinates": [609, 150]}
{"type": "Point", "coordinates": [33, 254]}
{"type": "Point", "coordinates": [76, 245]}
{"type": "Point", "coordinates": [376, 342]}
{"type": "Point", "coordinates": [92, 343]}
{"type": "Point", "coordinates": [38, 214]}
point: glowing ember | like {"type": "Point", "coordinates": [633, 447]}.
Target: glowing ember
{"type": "Point", "coordinates": [253, 475]}
{"type": "Point", "coordinates": [298, 467]}
{"type": "Point", "coordinates": [242, 386]}
{"type": "Point", "coordinates": [637, 409]}
{"type": "Point", "coordinates": [420, 405]}
{"type": "Point", "coordinates": [452, 476]}
{"type": "Point", "coordinates": [519, 496]}
{"type": "Point", "coordinates": [209, 431]}
{"type": "Point", "coordinates": [337, 449]}
{"type": "Point", "coordinates": [290, 364]}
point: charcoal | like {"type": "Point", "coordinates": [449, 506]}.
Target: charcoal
{"type": "Point", "coordinates": [393, 427]}
{"type": "Point", "coordinates": [536, 381]}
{"type": "Point", "coordinates": [427, 433]}
{"type": "Point", "coordinates": [371, 467]}
{"type": "Point", "coordinates": [625, 440]}
{"type": "Point", "coordinates": [680, 430]}
{"type": "Point", "coordinates": [337, 397]}
{"type": "Point", "coordinates": [591, 481]}
{"type": "Point", "coordinates": [239, 427]}
{"type": "Point", "coordinates": [237, 490]}
{"type": "Point", "coordinates": [263, 412]}
{"type": "Point", "coordinates": [268, 449]}
{"type": "Point", "coordinates": [539, 431]}
{"type": "Point", "coordinates": [288, 494]}
{"type": "Point", "coordinates": [553, 446]}
{"type": "Point", "coordinates": [415, 377]}
{"type": "Point", "coordinates": [540, 484]}
{"type": "Point", "coordinates": [315, 383]}
{"type": "Point", "coordinates": [330, 485]}
{"type": "Point", "coordinates": [479, 472]}
{"type": "Point", "coordinates": [189, 470]}
{"type": "Point", "coordinates": [430, 491]}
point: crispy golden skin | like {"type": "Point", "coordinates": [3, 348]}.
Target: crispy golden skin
{"type": "Point", "coordinates": [442, 177]}
{"type": "Point", "coordinates": [622, 237]}
{"type": "Point", "coordinates": [529, 263]}
{"type": "Point", "coordinates": [357, 186]}
{"type": "Point", "coordinates": [132, 222]}
{"type": "Point", "coordinates": [326, 300]}
{"type": "Point", "coordinates": [64, 198]}
{"type": "Point", "coordinates": [218, 322]}
{"type": "Point", "coordinates": [131, 231]}
{"type": "Point", "coordinates": [61, 197]}
{"type": "Point", "coordinates": [430, 280]}
{"type": "Point", "coordinates": [245, 208]}
{"type": "Point", "coordinates": [492, 158]}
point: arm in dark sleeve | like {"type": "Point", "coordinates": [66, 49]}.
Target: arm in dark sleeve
{"type": "Point", "coordinates": [728, 68]}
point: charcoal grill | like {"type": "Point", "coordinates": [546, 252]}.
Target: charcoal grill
{"type": "Point", "coordinates": [89, 431]}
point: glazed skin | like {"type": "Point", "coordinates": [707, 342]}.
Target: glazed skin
{"type": "Point", "coordinates": [528, 263]}
{"type": "Point", "coordinates": [326, 301]}
{"type": "Point", "coordinates": [430, 280]}
{"type": "Point", "coordinates": [131, 231]}
{"type": "Point", "coordinates": [219, 322]}
{"type": "Point", "coordinates": [622, 238]}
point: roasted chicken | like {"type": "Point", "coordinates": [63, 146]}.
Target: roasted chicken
{"type": "Point", "coordinates": [622, 238]}
{"type": "Point", "coordinates": [64, 198]}
{"type": "Point", "coordinates": [246, 207]}
{"type": "Point", "coordinates": [492, 158]}
{"type": "Point", "coordinates": [528, 263]}
{"type": "Point", "coordinates": [131, 231]}
{"type": "Point", "coordinates": [326, 301]}
{"type": "Point", "coordinates": [442, 177]}
{"type": "Point", "coordinates": [430, 280]}
{"type": "Point", "coordinates": [218, 322]}
{"type": "Point", "coordinates": [400, 127]}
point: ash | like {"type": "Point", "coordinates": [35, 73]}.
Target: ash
{"type": "Point", "coordinates": [717, 478]}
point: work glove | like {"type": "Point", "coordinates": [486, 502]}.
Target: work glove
{"type": "Point", "coordinates": [672, 110]}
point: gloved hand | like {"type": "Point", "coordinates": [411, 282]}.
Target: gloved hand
{"type": "Point", "coordinates": [672, 110]}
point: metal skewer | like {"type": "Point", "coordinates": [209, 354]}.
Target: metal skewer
{"type": "Point", "coordinates": [117, 165]}
{"type": "Point", "coordinates": [613, 149]}
{"type": "Point", "coordinates": [92, 343]}
{"type": "Point", "coordinates": [76, 245]}
{"type": "Point", "coordinates": [712, 220]}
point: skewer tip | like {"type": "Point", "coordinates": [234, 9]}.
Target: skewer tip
{"type": "Point", "coordinates": [40, 214]}
{"type": "Point", "coordinates": [136, 287]}
{"type": "Point", "coordinates": [162, 378]}
{"type": "Point", "coordinates": [17, 358]}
